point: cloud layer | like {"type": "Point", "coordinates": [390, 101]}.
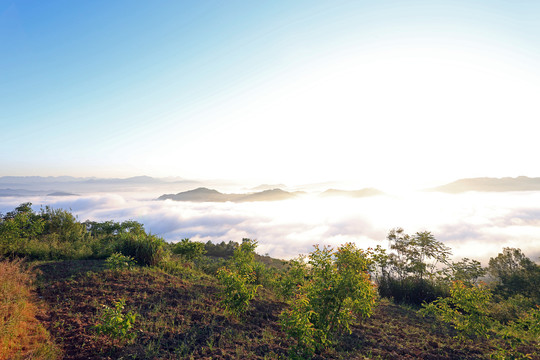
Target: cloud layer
{"type": "Point", "coordinates": [475, 225]}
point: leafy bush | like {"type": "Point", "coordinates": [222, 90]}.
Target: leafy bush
{"type": "Point", "coordinates": [146, 250]}
{"type": "Point", "coordinates": [466, 310]}
{"type": "Point", "coordinates": [412, 290]}
{"type": "Point", "coordinates": [295, 276]}
{"type": "Point", "coordinates": [297, 323]}
{"type": "Point", "coordinates": [338, 292]}
{"type": "Point", "coordinates": [508, 310]}
{"type": "Point", "coordinates": [189, 249]}
{"type": "Point", "coordinates": [113, 323]}
{"type": "Point", "coordinates": [238, 291]}
{"type": "Point", "coordinates": [529, 323]}
{"type": "Point", "coordinates": [117, 261]}
{"type": "Point", "coordinates": [238, 279]}
{"type": "Point", "coordinates": [515, 274]}
{"type": "Point", "coordinates": [223, 249]}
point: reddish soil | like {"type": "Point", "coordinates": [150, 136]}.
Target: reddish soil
{"type": "Point", "coordinates": [181, 319]}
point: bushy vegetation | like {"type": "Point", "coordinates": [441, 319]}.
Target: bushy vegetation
{"type": "Point", "coordinates": [116, 324]}
{"type": "Point", "coordinates": [190, 250]}
{"type": "Point", "coordinates": [337, 293]}
{"type": "Point", "coordinates": [55, 234]}
{"type": "Point", "coordinates": [118, 261]}
{"type": "Point", "coordinates": [410, 272]}
{"type": "Point", "coordinates": [466, 309]}
{"type": "Point", "coordinates": [326, 298]}
{"type": "Point", "coordinates": [238, 279]}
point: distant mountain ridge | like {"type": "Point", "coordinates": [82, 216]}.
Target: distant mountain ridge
{"type": "Point", "coordinates": [487, 184]}
{"type": "Point", "coordinates": [43, 185]}
{"type": "Point", "coordinates": [203, 194]}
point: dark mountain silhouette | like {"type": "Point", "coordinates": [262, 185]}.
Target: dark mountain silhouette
{"type": "Point", "coordinates": [268, 187]}
{"type": "Point", "coordinates": [210, 195]}
{"type": "Point", "coordinates": [61, 193]}
{"type": "Point", "coordinates": [352, 193]}
{"type": "Point", "coordinates": [486, 184]}
{"type": "Point", "coordinates": [269, 195]}
{"type": "Point", "coordinates": [201, 194]}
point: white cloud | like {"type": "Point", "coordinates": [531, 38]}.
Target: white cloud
{"type": "Point", "coordinates": [474, 225]}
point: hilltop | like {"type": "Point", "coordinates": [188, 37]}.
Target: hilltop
{"type": "Point", "coordinates": [487, 184]}
{"type": "Point", "coordinates": [109, 290]}
{"type": "Point", "coordinates": [203, 194]}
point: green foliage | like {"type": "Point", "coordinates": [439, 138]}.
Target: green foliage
{"type": "Point", "coordinates": [115, 324]}
{"type": "Point", "coordinates": [410, 271]}
{"type": "Point", "coordinates": [294, 276]}
{"type": "Point", "coordinates": [223, 249]}
{"type": "Point", "coordinates": [62, 224]}
{"type": "Point", "coordinates": [338, 293]}
{"type": "Point", "coordinates": [190, 250]}
{"type": "Point", "coordinates": [509, 310]}
{"type": "Point", "coordinates": [17, 228]}
{"type": "Point", "coordinates": [237, 292]}
{"type": "Point", "coordinates": [55, 234]}
{"type": "Point", "coordinates": [297, 324]}
{"type": "Point", "coordinates": [416, 255]}
{"type": "Point", "coordinates": [466, 270]}
{"type": "Point", "coordinates": [146, 250]}
{"type": "Point", "coordinates": [524, 330]}
{"type": "Point", "coordinates": [117, 261]}
{"type": "Point", "coordinates": [466, 310]}
{"type": "Point", "coordinates": [515, 274]}
{"type": "Point", "coordinates": [529, 323]}
{"type": "Point", "coordinates": [238, 279]}
{"type": "Point", "coordinates": [412, 290]}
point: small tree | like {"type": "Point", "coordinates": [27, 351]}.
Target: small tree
{"type": "Point", "coordinates": [238, 279]}
{"type": "Point", "coordinates": [338, 293]}
{"type": "Point", "coordinates": [115, 324]}
{"type": "Point", "coordinates": [416, 255]}
{"type": "Point", "coordinates": [118, 262]}
{"type": "Point", "coordinates": [516, 274]}
{"type": "Point", "coordinates": [467, 271]}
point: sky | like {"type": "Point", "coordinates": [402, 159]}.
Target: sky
{"type": "Point", "coordinates": [390, 94]}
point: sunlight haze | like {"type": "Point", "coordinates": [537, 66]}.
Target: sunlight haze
{"type": "Point", "coordinates": [394, 94]}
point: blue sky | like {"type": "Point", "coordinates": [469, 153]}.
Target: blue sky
{"type": "Point", "coordinates": [392, 93]}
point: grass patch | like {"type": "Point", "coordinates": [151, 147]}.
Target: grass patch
{"type": "Point", "coordinates": [22, 336]}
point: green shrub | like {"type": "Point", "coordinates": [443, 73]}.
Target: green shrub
{"type": "Point", "coordinates": [115, 324]}
{"type": "Point", "coordinates": [209, 265]}
{"type": "Point", "coordinates": [466, 310]}
{"type": "Point", "coordinates": [412, 290]}
{"type": "Point", "coordinates": [529, 323]}
{"type": "Point", "coordinates": [237, 291]}
{"type": "Point", "coordinates": [508, 310]}
{"type": "Point", "coordinates": [238, 279]}
{"type": "Point", "coordinates": [297, 324]}
{"type": "Point", "coordinates": [189, 249]}
{"type": "Point", "coordinates": [117, 261]}
{"type": "Point", "coordinates": [146, 250]}
{"type": "Point", "coordinates": [338, 292]}
{"type": "Point", "coordinates": [295, 276]}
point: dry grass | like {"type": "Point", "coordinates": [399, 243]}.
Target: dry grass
{"type": "Point", "coordinates": [21, 335]}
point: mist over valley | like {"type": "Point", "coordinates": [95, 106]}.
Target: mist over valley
{"type": "Point", "coordinates": [286, 222]}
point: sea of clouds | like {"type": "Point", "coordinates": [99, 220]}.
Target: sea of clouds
{"type": "Point", "coordinates": [474, 225]}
